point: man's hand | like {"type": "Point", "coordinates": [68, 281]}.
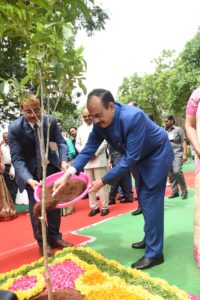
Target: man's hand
{"type": "Point", "coordinates": [53, 146]}
{"type": "Point", "coordinates": [60, 182]}
{"type": "Point", "coordinates": [2, 168]}
{"type": "Point", "coordinates": [64, 166]}
{"type": "Point", "coordinates": [96, 186]}
{"type": "Point", "coordinates": [33, 183]}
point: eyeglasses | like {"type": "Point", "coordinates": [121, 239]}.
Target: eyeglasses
{"type": "Point", "coordinates": [85, 117]}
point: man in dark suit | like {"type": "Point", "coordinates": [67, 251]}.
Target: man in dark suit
{"type": "Point", "coordinates": [146, 152]}
{"type": "Point", "coordinates": [24, 154]}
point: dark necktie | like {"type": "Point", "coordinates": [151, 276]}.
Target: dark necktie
{"type": "Point", "coordinates": [38, 172]}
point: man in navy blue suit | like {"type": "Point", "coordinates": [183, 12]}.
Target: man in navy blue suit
{"type": "Point", "coordinates": [146, 152]}
{"type": "Point", "coordinates": [24, 158]}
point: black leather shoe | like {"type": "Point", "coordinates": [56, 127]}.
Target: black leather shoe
{"type": "Point", "coordinates": [111, 202]}
{"type": "Point", "coordinates": [173, 196]}
{"type": "Point", "coordinates": [93, 212]}
{"type": "Point", "coordinates": [146, 262]}
{"type": "Point", "coordinates": [139, 245]}
{"type": "Point", "coordinates": [49, 251]}
{"type": "Point", "coordinates": [184, 196]}
{"type": "Point", "coordinates": [60, 244]}
{"type": "Point", "coordinates": [120, 197]}
{"type": "Point", "coordinates": [104, 212]}
{"type": "Point", "coordinates": [126, 201]}
{"type": "Point", "coordinates": [137, 212]}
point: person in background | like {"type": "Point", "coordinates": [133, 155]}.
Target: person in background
{"type": "Point", "coordinates": [123, 182]}
{"type": "Point", "coordinates": [96, 166]}
{"type": "Point", "coordinates": [71, 148]}
{"type": "Point", "coordinates": [7, 207]}
{"type": "Point", "coordinates": [73, 133]}
{"type": "Point", "coordinates": [145, 150]}
{"type": "Point", "coordinates": [9, 172]}
{"type": "Point", "coordinates": [192, 127]}
{"type": "Point", "coordinates": [177, 139]}
{"type": "Point", "coordinates": [26, 157]}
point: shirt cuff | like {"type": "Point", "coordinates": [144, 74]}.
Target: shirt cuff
{"type": "Point", "coordinates": [71, 170]}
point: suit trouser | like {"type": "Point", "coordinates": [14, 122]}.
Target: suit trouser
{"type": "Point", "coordinates": [53, 217]}
{"type": "Point", "coordinates": [152, 204]}
{"type": "Point", "coordinates": [10, 183]}
{"type": "Point", "coordinates": [176, 176]}
{"type": "Point", "coordinates": [125, 183]}
{"type": "Point", "coordinates": [96, 174]}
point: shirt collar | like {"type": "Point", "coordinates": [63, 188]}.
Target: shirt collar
{"type": "Point", "coordinates": [32, 124]}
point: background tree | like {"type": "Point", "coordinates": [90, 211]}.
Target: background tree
{"type": "Point", "coordinates": [150, 90]}
{"type": "Point", "coordinates": [12, 65]}
{"type": "Point", "coordinates": [185, 76]}
{"type": "Point", "coordinates": [167, 89]}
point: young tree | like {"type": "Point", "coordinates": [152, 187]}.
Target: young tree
{"type": "Point", "coordinates": [53, 65]}
{"type": "Point", "coordinates": [36, 29]}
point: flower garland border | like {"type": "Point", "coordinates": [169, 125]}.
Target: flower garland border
{"type": "Point", "coordinates": [182, 295]}
{"type": "Point", "coordinates": [69, 253]}
{"type": "Point", "coordinates": [28, 293]}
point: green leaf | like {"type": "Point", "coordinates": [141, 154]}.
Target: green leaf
{"type": "Point", "coordinates": [59, 68]}
{"type": "Point", "coordinates": [25, 80]}
{"type": "Point", "coordinates": [43, 3]}
{"type": "Point", "coordinates": [40, 55]}
{"type": "Point", "coordinates": [4, 88]}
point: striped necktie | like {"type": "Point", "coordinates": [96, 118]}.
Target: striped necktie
{"type": "Point", "coordinates": [38, 172]}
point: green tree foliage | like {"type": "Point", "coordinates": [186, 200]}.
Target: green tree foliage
{"type": "Point", "coordinates": [43, 35]}
{"type": "Point", "coordinates": [185, 76]}
{"type": "Point", "coordinates": [149, 90]}
{"type": "Point", "coordinates": [167, 89]}
{"type": "Point", "coordinates": [12, 65]}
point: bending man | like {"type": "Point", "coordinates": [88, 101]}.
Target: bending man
{"type": "Point", "coordinates": [146, 152]}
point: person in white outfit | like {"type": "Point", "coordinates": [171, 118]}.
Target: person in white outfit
{"type": "Point", "coordinates": [96, 168]}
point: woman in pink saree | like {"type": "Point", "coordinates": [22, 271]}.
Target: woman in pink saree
{"type": "Point", "coordinates": [192, 127]}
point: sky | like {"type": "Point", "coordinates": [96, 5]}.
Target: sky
{"type": "Point", "coordinates": [137, 32]}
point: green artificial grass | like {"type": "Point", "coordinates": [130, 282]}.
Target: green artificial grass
{"type": "Point", "coordinates": [188, 166]}
{"type": "Point", "coordinates": [115, 236]}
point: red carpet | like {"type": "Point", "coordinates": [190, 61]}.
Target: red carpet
{"type": "Point", "coordinates": [18, 246]}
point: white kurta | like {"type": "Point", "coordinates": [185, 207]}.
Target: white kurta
{"type": "Point", "coordinates": [96, 168]}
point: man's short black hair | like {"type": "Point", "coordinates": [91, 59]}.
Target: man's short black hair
{"type": "Point", "coordinates": [105, 96]}
{"type": "Point", "coordinates": [170, 118]}
{"type": "Point", "coordinates": [73, 127]}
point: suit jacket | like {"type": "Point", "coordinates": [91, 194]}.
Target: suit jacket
{"type": "Point", "coordinates": [144, 146]}
{"type": "Point", "coordinates": [22, 148]}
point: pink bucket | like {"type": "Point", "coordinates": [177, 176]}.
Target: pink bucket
{"type": "Point", "coordinates": [52, 178]}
